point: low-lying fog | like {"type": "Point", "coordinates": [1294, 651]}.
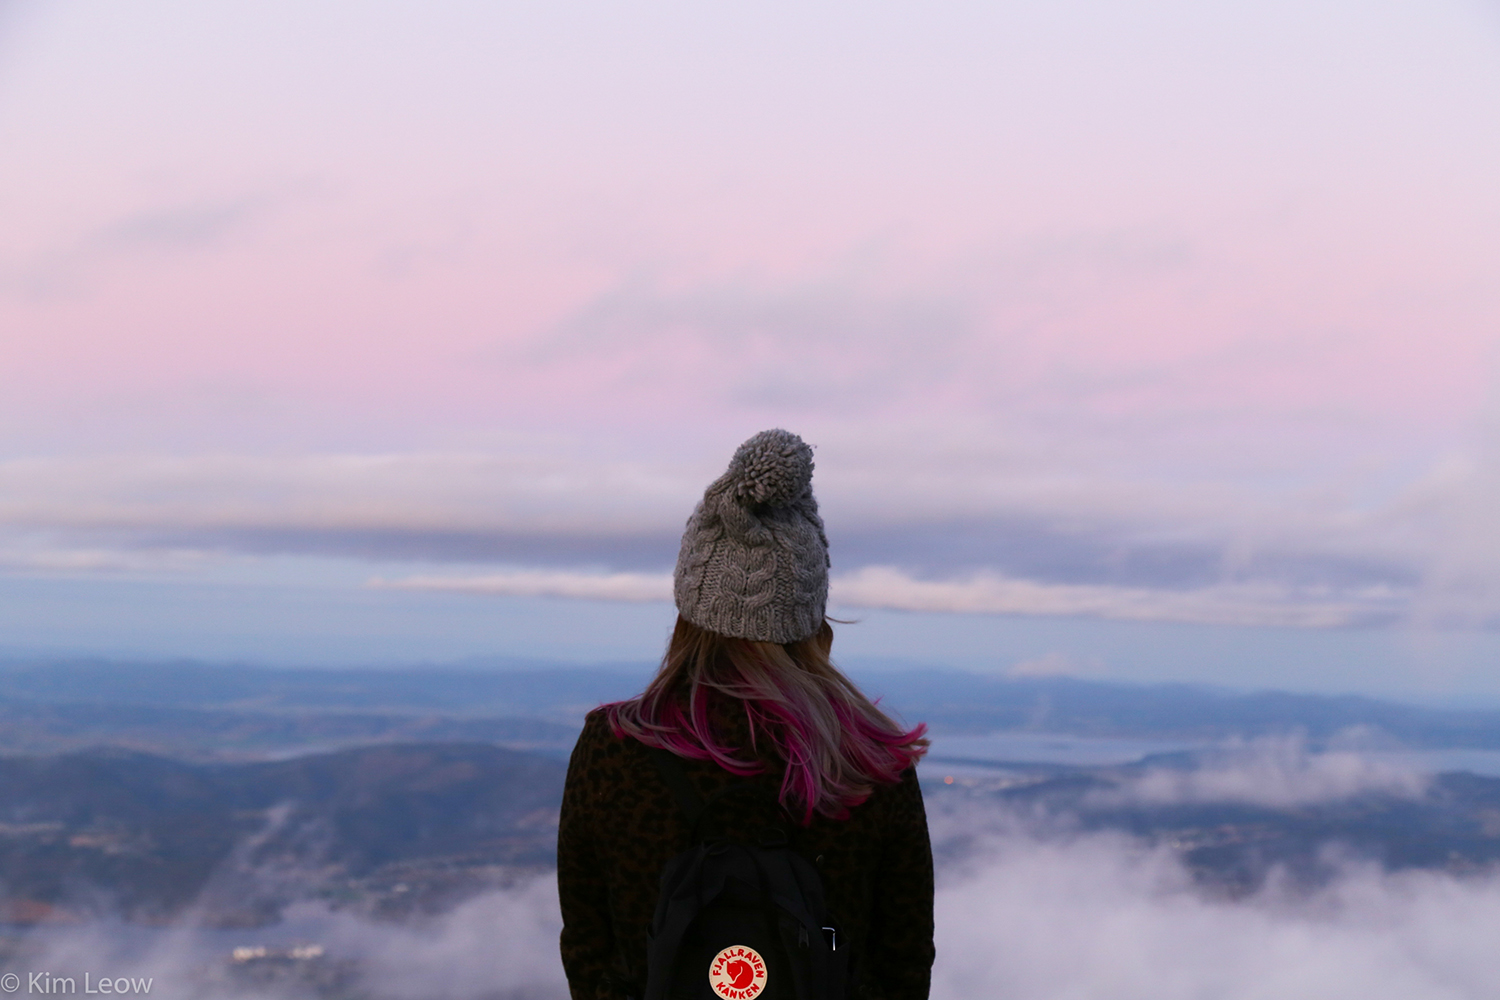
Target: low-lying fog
{"type": "Point", "coordinates": [1026, 910]}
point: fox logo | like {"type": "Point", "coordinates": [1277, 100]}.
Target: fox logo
{"type": "Point", "coordinates": [737, 973]}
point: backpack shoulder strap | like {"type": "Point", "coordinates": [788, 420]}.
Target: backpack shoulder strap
{"type": "Point", "coordinates": [694, 806]}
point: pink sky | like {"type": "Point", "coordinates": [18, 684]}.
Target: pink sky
{"type": "Point", "coordinates": [569, 217]}
{"type": "Point", "coordinates": [1140, 270]}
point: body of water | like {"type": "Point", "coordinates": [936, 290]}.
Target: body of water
{"type": "Point", "coordinates": [962, 754]}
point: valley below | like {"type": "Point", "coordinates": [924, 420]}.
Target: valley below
{"type": "Point", "coordinates": [265, 835]}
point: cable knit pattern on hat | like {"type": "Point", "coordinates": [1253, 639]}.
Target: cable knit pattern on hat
{"type": "Point", "coordinates": [754, 558]}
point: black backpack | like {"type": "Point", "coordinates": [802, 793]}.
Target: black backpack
{"type": "Point", "coordinates": [738, 921]}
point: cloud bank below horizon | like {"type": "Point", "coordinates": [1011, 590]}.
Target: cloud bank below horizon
{"type": "Point", "coordinates": [965, 532]}
{"type": "Point", "coordinates": [888, 588]}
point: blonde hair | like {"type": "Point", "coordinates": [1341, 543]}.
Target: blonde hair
{"type": "Point", "coordinates": [801, 710]}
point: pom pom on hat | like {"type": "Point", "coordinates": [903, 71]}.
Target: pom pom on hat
{"type": "Point", "coordinates": [773, 468]}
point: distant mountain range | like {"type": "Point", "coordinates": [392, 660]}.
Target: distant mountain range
{"type": "Point", "coordinates": [208, 712]}
{"type": "Point", "coordinates": [520, 688]}
{"type": "Point", "coordinates": [204, 734]}
{"type": "Point", "coordinates": [200, 711]}
{"type": "Point", "coordinates": [973, 703]}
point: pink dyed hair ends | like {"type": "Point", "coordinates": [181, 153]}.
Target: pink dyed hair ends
{"type": "Point", "coordinates": [799, 708]}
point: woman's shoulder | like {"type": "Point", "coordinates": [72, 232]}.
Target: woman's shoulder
{"type": "Point", "coordinates": [598, 734]}
{"type": "Point", "coordinates": [596, 723]}
{"type": "Point", "coordinates": [888, 800]}
{"type": "Point", "coordinates": [599, 743]}
{"type": "Point", "coordinates": [900, 804]}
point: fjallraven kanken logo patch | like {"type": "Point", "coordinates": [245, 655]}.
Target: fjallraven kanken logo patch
{"type": "Point", "coordinates": [737, 973]}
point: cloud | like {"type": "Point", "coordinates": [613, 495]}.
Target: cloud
{"type": "Point", "coordinates": [968, 530]}
{"type": "Point", "coordinates": [842, 344]}
{"type": "Point", "coordinates": [889, 588]}
{"type": "Point", "coordinates": [989, 593]}
{"type": "Point", "coordinates": [1019, 916]}
{"type": "Point", "coordinates": [26, 557]}
{"type": "Point", "coordinates": [913, 500]}
{"type": "Point", "coordinates": [1052, 665]}
{"type": "Point", "coordinates": [501, 945]}
{"type": "Point", "coordinates": [172, 228]}
{"type": "Point", "coordinates": [535, 583]}
{"type": "Point", "coordinates": [1278, 772]}
{"type": "Point", "coordinates": [1104, 915]}
{"type": "Point", "coordinates": [406, 492]}
{"type": "Point", "coordinates": [1030, 907]}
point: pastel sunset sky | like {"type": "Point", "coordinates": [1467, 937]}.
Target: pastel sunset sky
{"type": "Point", "coordinates": [1152, 340]}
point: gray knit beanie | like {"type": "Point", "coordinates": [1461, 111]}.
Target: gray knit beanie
{"type": "Point", "coordinates": [754, 559]}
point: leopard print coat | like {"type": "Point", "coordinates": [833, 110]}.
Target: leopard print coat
{"type": "Point", "coordinates": [620, 825]}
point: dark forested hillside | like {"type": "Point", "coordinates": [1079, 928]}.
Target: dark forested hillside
{"type": "Point", "coordinates": [148, 838]}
